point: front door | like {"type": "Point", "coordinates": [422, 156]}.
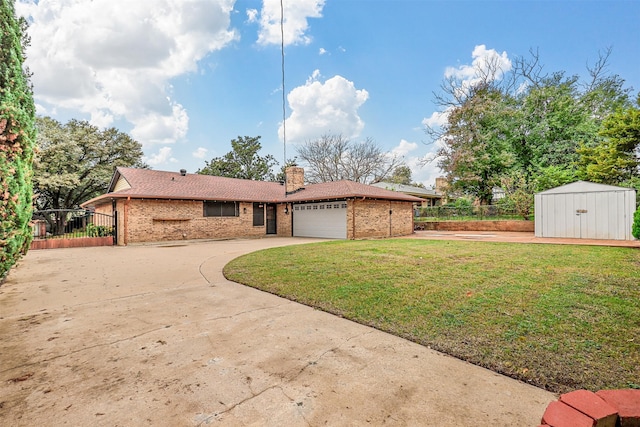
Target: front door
{"type": "Point", "coordinates": [271, 219]}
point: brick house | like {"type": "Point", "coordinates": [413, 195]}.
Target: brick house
{"type": "Point", "coordinates": [156, 206]}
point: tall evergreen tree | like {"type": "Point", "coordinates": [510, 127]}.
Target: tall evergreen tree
{"type": "Point", "coordinates": [17, 139]}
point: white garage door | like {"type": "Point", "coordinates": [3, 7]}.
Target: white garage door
{"type": "Point", "coordinates": [328, 219]}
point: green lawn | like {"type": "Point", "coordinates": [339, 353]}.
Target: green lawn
{"type": "Point", "coordinates": [561, 317]}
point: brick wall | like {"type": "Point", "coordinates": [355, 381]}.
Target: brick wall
{"type": "Point", "coordinates": [142, 221]}
{"type": "Point", "coordinates": [161, 220]}
{"type": "Point", "coordinates": [371, 219]}
{"type": "Point", "coordinates": [284, 226]}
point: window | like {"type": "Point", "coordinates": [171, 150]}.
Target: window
{"type": "Point", "coordinates": [258, 214]}
{"type": "Point", "coordinates": [315, 207]}
{"type": "Point", "coordinates": [220, 208]}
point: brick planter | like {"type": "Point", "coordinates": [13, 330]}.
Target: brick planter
{"type": "Point", "coordinates": [519, 226]}
{"type": "Point", "coordinates": [606, 408]}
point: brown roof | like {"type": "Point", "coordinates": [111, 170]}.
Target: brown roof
{"type": "Point", "coordinates": [153, 184]}
{"type": "Point", "coordinates": [346, 189]}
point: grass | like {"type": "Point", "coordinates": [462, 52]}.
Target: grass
{"type": "Point", "coordinates": [561, 317]}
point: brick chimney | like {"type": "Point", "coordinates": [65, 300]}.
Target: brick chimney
{"type": "Point", "coordinates": [441, 184]}
{"type": "Point", "coordinates": [295, 179]}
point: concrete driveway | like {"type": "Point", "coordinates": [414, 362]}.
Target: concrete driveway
{"type": "Point", "coordinates": [154, 335]}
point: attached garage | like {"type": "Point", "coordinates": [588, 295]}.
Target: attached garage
{"type": "Point", "coordinates": [325, 220]}
{"type": "Point", "coordinates": [160, 205]}
{"type": "Point", "coordinates": [585, 210]}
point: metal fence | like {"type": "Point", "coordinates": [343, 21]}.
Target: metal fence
{"type": "Point", "coordinates": [71, 224]}
{"type": "Point", "coordinates": [466, 213]}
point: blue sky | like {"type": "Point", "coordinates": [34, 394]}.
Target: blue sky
{"type": "Point", "coordinates": [184, 77]}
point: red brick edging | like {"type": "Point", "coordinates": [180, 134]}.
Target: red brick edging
{"type": "Point", "coordinates": [583, 408]}
{"type": "Point", "coordinates": [81, 242]}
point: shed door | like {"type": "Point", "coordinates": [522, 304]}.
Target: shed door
{"type": "Point", "coordinates": [596, 215]}
{"type": "Point", "coordinates": [327, 220]}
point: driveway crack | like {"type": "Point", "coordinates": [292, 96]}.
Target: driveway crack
{"type": "Point", "coordinates": [231, 316]}
{"type": "Point", "coordinates": [85, 349]}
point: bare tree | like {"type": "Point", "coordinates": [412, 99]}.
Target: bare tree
{"type": "Point", "coordinates": [335, 158]}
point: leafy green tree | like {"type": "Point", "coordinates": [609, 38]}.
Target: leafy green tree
{"type": "Point", "coordinates": [553, 121]}
{"type": "Point", "coordinates": [401, 175]}
{"type": "Point", "coordinates": [75, 161]}
{"type": "Point", "coordinates": [551, 128]}
{"type": "Point", "coordinates": [17, 138]}
{"type": "Point", "coordinates": [476, 152]}
{"type": "Point", "coordinates": [615, 159]}
{"type": "Point", "coordinates": [243, 161]}
{"type": "Point", "coordinates": [553, 176]}
{"type": "Point", "coordinates": [520, 193]}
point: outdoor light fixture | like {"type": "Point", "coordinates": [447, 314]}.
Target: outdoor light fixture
{"type": "Point", "coordinates": [286, 210]}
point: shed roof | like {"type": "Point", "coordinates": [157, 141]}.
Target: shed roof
{"type": "Point", "coordinates": [584, 187]}
{"type": "Point", "coordinates": [153, 184]}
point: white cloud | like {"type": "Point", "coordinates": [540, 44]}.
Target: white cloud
{"type": "Point", "coordinates": [486, 64]}
{"type": "Point", "coordinates": [41, 110]}
{"type": "Point", "coordinates": [483, 59]}
{"type": "Point", "coordinates": [200, 153]}
{"type": "Point", "coordinates": [296, 14]}
{"type": "Point", "coordinates": [252, 15]}
{"type": "Point", "coordinates": [421, 171]}
{"type": "Point", "coordinates": [163, 156]}
{"type": "Point", "coordinates": [314, 77]}
{"type": "Point", "coordinates": [113, 59]}
{"type": "Point", "coordinates": [160, 128]}
{"type": "Point", "coordinates": [322, 51]}
{"type": "Point", "coordinates": [437, 118]}
{"type": "Point", "coordinates": [424, 172]}
{"type": "Point", "coordinates": [324, 108]}
{"type": "Point", "coordinates": [404, 148]}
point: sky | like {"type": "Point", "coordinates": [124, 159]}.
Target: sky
{"type": "Point", "coordinates": [185, 77]}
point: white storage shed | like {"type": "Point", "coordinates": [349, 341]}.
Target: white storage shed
{"type": "Point", "coordinates": [585, 210]}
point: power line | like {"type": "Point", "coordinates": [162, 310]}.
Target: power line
{"type": "Point", "coordinates": [284, 110]}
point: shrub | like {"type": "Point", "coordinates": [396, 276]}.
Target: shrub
{"type": "Point", "coordinates": [17, 139]}
{"type": "Point", "coordinates": [98, 230]}
{"type": "Point", "coordinates": [635, 228]}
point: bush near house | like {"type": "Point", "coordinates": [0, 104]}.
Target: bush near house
{"type": "Point", "coordinates": [635, 228]}
{"type": "Point", "coordinates": [17, 138]}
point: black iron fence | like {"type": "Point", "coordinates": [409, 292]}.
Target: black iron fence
{"type": "Point", "coordinates": [466, 213]}
{"type": "Point", "coordinates": [71, 224]}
